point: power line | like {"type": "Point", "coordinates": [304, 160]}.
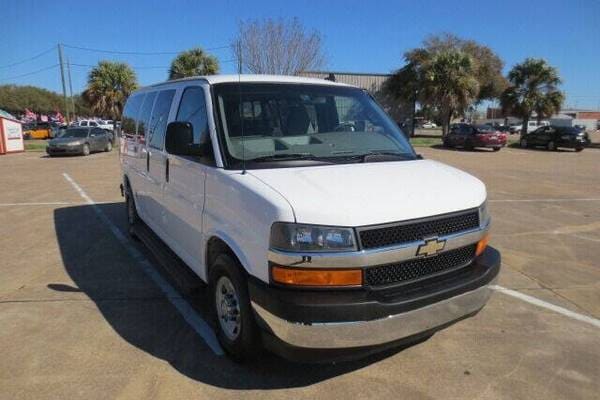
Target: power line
{"type": "Point", "coordinates": [30, 73]}
{"type": "Point", "coordinates": [132, 66]}
{"type": "Point", "coordinates": [142, 53]}
{"type": "Point", "coordinates": [29, 59]}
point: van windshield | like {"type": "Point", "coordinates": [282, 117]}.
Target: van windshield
{"type": "Point", "coordinates": [277, 123]}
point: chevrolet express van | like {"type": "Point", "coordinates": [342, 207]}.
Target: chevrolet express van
{"type": "Point", "coordinates": [302, 205]}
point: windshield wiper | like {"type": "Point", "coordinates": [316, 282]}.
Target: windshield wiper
{"type": "Point", "coordinates": [363, 157]}
{"type": "Point", "coordinates": [287, 157]}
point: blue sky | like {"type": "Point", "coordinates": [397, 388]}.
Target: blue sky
{"type": "Point", "coordinates": [359, 36]}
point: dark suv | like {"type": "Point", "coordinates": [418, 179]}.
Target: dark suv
{"type": "Point", "coordinates": [553, 137]}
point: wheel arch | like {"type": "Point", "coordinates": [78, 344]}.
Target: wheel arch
{"type": "Point", "coordinates": [219, 243]}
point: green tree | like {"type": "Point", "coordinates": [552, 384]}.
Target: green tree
{"type": "Point", "coordinates": [533, 87]}
{"type": "Point", "coordinates": [192, 63]}
{"type": "Point", "coordinates": [109, 84]}
{"type": "Point", "coordinates": [473, 71]}
{"type": "Point", "coordinates": [449, 84]}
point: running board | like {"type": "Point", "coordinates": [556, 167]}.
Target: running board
{"type": "Point", "coordinates": [185, 279]}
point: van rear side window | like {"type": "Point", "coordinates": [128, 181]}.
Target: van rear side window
{"type": "Point", "coordinates": [144, 118]}
{"type": "Point", "coordinates": [130, 114]}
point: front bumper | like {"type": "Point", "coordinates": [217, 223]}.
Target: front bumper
{"type": "Point", "coordinates": [345, 319]}
{"type": "Point", "coordinates": [64, 150]}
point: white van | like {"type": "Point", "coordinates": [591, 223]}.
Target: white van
{"type": "Point", "coordinates": [317, 227]}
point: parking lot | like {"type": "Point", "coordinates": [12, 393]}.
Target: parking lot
{"type": "Point", "coordinates": [85, 312]}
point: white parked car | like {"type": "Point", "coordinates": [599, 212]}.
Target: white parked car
{"type": "Point", "coordinates": [429, 125]}
{"type": "Point", "coordinates": [103, 124]}
{"type": "Point", "coordinates": [531, 126]}
{"type": "Point", "coordinates": [317, 227]}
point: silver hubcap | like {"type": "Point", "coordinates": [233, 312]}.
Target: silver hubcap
{"type": "Point", "coordinates": [228, 308]}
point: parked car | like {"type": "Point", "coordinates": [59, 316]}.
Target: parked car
{"type": "Point", "coordinates": [81, 140]}
{"type": "Point", "coordinates": [531, 126]}
{"type": "Point", "coordinates": [429, 125]}
{"type": "Point", "coordinates": [280, 199]}
{"type": "Point", "coordinates": [553, 137]}
{"type": "Point", "coordinates": [38, 130]}
{"type": "Point", "coordinates": [107, 124]}
{"type": "Point", "coordinates": [470, 136]}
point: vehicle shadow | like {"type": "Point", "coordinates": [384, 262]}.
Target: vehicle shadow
{"type": "Point", "coordinates": [141, 314]}
{"type": "Point", "coordinates": [517, 146]}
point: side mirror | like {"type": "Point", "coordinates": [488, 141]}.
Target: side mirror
{"type": "Point", "coordinates": [179, 140]}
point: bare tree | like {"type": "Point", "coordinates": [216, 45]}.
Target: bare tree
{"type": "Point", "coordinates": [277, 47]}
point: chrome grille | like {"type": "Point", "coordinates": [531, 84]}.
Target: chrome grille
{"type": "Point", "coordinates": [418, 230]}
{"type": "Point", "coordinates": [419, 268]}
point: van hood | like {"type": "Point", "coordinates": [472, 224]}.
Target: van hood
{"type": "Point", "coordinates": [373, 193]}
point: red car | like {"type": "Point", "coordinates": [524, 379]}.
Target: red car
{"type": "Point", "coordinates": [471, 136]}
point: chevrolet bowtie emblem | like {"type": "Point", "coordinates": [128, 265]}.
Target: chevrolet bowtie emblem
{"type": "Point", "coordinates": [431, 247]}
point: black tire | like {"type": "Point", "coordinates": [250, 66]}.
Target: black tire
{"type": "Point", "coordinates": [85, 150]}
{"type": "Point", "coordinates": [108, 146]}
{"type": "Point", "coordinates": [551, 146]}
{"type": "Point", "coordinates": [578, 149]}
{"type": "Point", "coordinates": [469, 145]}
{"type": "Point", "coordinates": [243, 343]}
{"type": "Point", "coordinates": [132, 216]}
{"type": "Point", "coordinates": [523, 143]}
{"type": "Point", "coordinates": [497, 148]}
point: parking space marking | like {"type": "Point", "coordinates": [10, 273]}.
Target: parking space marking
{"type": "Point", "coordinates": [49, 203]}
{"type": "Point", "coordinates": [184, 308]}
{"type": "Point", "coordinates": [539, 200]}
{"type": "Point", "coordinates": [540, 303]}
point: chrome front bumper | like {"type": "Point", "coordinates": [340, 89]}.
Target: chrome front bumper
{"type": "Point", "coordinates": [379, 331]}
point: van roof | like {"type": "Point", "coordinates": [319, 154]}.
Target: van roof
{"type": "Point", "coordinates": [214, 79]}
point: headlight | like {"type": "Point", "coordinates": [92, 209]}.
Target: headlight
{"type": "Point", "coordinates": [484, 215]}
{"type": "Point", "coordinates": [73, 143]}
{"type": "Point", "coordinates": [298, 237]}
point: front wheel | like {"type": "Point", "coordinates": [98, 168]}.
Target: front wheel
{"type": "Point", "coordinates": [578, 149]}
{"type": "Point", "coordinates": [108, 146]}
{"type": "Point", "coordinates": [497, 148]}
{"type": "Point", "coordinates": [85, 150]}
{"type": "Point", "coordinates": [230, 305]}
{"type": "Point", "coordinates": [551, 146]}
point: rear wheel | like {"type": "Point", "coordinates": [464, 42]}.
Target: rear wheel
{"type": "Point", "coordinates": [578, 149]}
{"type": "Point", "coordinates": [469, 145]}
{"type": "Point", "coordinates": [551, 146]}
{"type": "Point", "coordinates": [85, 150]}
{"type": "Point", "coordinates": [230, 305]}
{"type": "Point", "coordinates": [108, 146]}
{"type": "Point", "coordinates": [497, 148]}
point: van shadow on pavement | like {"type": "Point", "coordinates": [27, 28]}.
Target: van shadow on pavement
{"type": "Point", "coordinates": [136, 309]}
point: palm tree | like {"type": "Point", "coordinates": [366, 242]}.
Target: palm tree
{"type": "Point", "coordinates": [109, 85]}
{"type": "Point", "coordinates": [533, 87]}
{"type": "Point", "coordinates": [193, 62]}
{"type": "Point", "coordinates": [449, 83]}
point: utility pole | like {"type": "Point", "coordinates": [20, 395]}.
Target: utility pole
{"type": "Point", "coordinates": [71, 88]}
{"type": "Point", "coordinates": [62, 77]}
{"type": "Point", "coordinates": [238, 51]}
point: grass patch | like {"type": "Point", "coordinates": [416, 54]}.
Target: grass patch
{"type": "Point", "coordinates": [425, 142]}
{"type": "Point", "coordinates": [31, 145]}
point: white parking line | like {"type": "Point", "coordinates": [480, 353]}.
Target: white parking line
{"type": "Point", "coordinates": [49, 203]}
{"type": "Point", "coordinates": [540, 303]}
{"type": "Point", "coordinates": [184, 308]}
{"type": "Point", "coordinates": [538, 200]}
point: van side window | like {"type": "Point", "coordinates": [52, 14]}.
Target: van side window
{"type": "Point", "coordinates": [130, 113]}
{"type": "Point", "coordinates": [192, 108]}
{"type": "Point", "coordinates": [144, 118]}
{"type": "Point", "coordinates": [160, 114]}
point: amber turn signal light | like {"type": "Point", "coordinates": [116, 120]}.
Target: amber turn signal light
{"type": "Point", "coordinates": [316, 277]}
{"type": "Point", "coordinates": [482, 244]}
